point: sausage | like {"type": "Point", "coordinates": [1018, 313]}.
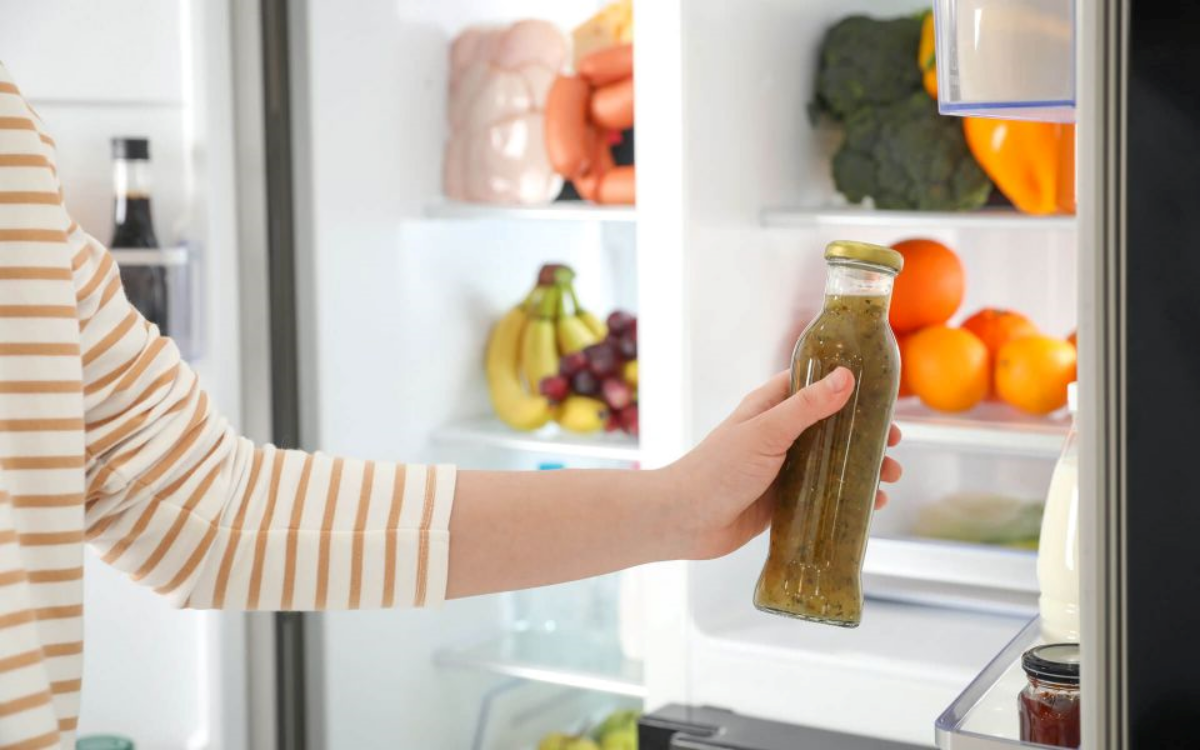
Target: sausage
{"type": "Point", "coordinates": [608, 65]}
{"type": "Point", "coordinates": [570, 141]}
{"type": "Point", "coordinates": [612, 105]}
{"type": "Point", "coordinates": [601, 161]}
{"type": "Point", "coordinates": [618, 186]}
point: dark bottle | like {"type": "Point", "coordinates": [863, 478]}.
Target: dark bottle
{"type": "Point", "coordinates": [143, 275]}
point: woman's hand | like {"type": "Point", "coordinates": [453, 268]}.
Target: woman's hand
{"type": "Point", "coordinates": [723, 491]}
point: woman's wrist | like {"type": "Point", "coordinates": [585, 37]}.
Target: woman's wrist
{"type": "Point", "coordinates": [663, 514]}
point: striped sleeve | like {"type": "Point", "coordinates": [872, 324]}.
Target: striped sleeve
{"type": "Point", "coordinates": [180, 502]}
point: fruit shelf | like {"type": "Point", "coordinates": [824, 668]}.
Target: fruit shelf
{"type": "Point", "coordinates": [990, 427]}
{"type": "Point", "coordinates": [809, 218]}
{"type": "Point", "coordinates": [561, 211]}
{"type": "Point", "coordinates": [550, 440]}
{"type": "Point", "coordinates": [985, 717]}
{"type": "Point", "coordinates": [580, 660]}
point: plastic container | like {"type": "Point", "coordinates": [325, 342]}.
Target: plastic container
{"type": "Point", "coordinates": [1006, 59]}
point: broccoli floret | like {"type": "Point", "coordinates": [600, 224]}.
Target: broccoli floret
{"type": "Point", "coordinates": [867, 62]}
{"type": "Point", "coordinates": [907, 156]}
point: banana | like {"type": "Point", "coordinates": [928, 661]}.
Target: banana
{"type": "Point", "coordinates": [573, 332]}
{"type": "Point", "coordinates": [594, 324]}
{"type": "Point", "coordinates": [582, 414]}
{"type": "Point", "coordinates": [539, 352]}
{"type": "Point", "coordinates": [518, 408]}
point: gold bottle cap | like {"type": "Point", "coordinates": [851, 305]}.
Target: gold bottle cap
{"type": "Point", "coordinates": [865, 252]}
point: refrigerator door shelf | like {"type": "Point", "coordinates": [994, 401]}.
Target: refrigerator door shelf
{"type": "Point", "coordinates": [985, 717]}
{"type": "Point", "coordinates": [1008, 59]}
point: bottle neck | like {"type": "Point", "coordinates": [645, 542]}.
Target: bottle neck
{"type": "Point", "coordinates": [131, 178]}
{"type": "Point", "coordinates": [134, 225]}
{"type": "Point", "coordinates": [851, 280]}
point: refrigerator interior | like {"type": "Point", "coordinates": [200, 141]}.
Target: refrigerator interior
{"type": "Point", "coordinates": [166, 678]}
{"type": "Point", "coordinates": [721, 260]}
{"type": "Point", "coordinates": [404, 289]}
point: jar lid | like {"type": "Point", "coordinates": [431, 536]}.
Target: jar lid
{"type": "Point", "coordinates": [865, 252]}
{"type": "Point", "coordinates": [1054, 662]}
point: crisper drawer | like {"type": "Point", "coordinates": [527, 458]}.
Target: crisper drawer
{"type": "Point", "coordinates": [952, 574]}
{"type": "Point", "coordinates": [677, 727]}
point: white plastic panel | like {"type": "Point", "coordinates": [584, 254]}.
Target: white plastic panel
{"type": "Point", "coordinates": [77, 50]}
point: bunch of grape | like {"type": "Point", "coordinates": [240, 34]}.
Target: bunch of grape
{"type": "Point", "coordinates": [605, 371]}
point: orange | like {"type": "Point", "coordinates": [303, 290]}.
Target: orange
{"type": "Point", "coordinates": [996, 327]}
{"type": "Point", "coordinates": [929, 289]}
{"type": "Point", "coordinates": [1032, 373]}
{"type": "Point", "coordinates": [905, 389]}
{"type": "Point", "coordinates": [948, 368]}
{"type": "Point", "coordinates": [1071, 338]}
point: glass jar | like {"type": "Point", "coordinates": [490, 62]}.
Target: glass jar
{"type": "Point", "coordinates": [829, 479]}
{"type": "Point", "coordinates": [1049, 704]}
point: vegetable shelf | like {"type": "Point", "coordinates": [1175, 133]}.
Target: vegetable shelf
{"type": "Point", "coordinates": [836, 218]}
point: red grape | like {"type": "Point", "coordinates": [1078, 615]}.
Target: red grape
{"type": "Point", "coordinates": [585, 383]}
{"type": "Point", "coordinates": [617, 393]}
{"type": "Point", "coordinates": [547, 274]}
{"type": "Point", "coordinates": [619, 321]}
{"type": "Point", "coordinates": [629, 419]}
{"type": "Point", "coordinates": [627, 346]}
{"type": "Point", "coordinates": [572, 363]}
{"type": "Point", "coordinates": [555, 387]}
{"type": "Point", "coordinates": [602, 358]}
{"type": "Point", "coordinates": [613, 423]}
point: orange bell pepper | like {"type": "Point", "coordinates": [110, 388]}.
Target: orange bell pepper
{"type": "Point", "coordinates": [926, 56]}
{"type": "Point", "coordinates": [1032, 163]}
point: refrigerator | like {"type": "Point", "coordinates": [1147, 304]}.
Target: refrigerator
{"type": "Point", "coordinates": [345, 304]}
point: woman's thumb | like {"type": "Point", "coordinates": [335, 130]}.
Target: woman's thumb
{"type": "Point", "coordinates": [784, 423]}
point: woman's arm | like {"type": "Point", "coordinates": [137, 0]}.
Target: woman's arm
{"type": "Point", "coordinates": [515, 530]}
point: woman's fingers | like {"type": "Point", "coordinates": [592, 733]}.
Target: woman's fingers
{"type": "Point", "coordinates": [782, 424]}
{"type": "Point", "coordinates": [891, 470]}
{"type": "Point", "coordinates": [881, 499]}
{"type": "Point", "coordinates": [766, 396]}
{"type": "Point", "coordinates": [894, 436]}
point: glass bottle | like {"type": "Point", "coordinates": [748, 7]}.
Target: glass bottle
{"type": "Point", "coordinates": [1049, 705]}
{"type": "Point", "coordinates": [829, 479]}
{"type": "Point", "coordinates": [1058, 545]}
{"type": "Point", "coordinates": [143, 274]}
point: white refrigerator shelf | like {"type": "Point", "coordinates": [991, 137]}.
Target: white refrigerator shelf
{"type": "Point", "coordinates": [835, 218]}
{"type": "Point", "coordinates": [550, 440]}
{"type": "Point", "coordinates": [984, 716]}
{"type": "Point", "coordinates": [587, 661]}
{"type": "Point", "coordinates": [990, 427]}
{"type": "Point", "coordinates": [560, 211]}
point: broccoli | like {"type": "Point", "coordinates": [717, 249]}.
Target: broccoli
{"type": "Point", "coordinates": [865, 61]}
{"type": "Point", "coordinates": [897, 149]}
{"type": "Point", "coordinates": [907, 156]}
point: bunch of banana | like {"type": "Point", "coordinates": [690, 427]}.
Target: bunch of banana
{"type": "Point", "coordinates": [526, 346]}
{"type": "Point", "coordinates": [517, 406]}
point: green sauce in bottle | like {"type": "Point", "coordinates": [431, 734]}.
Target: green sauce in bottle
{"type": "Point", "coordinates": [826, 489]}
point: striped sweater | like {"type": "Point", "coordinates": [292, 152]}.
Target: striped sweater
{"type": "Point", "coordinates": [106, 437]}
